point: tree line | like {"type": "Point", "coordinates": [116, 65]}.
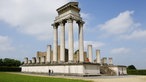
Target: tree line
{"type": "Point", "coordinates": [9, 62]}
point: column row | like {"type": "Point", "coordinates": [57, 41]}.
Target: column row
{"type": "Point", "coordinates": [70, 41]}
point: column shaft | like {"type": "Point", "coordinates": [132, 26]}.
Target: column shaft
{"type": "Point", "coordinates": [29, 61]}
{"type": "Point", "coordinates": [48, 57]}
{"type": "Point", "coordinates": [71, 40]}
{"type": "Point", "coordinates": [33, 60]}
{"type": "Point", "coordinates": [38, 60]}
{"type": "Point", "coordinates": [62, 42]}
{"type": "Point", "coordinates": [110, 61]}
{"type": "Point", "coordinates": [97, 56]}
{"type": "Point", "coordinates": [90, 53]}
{"type": "Point", "coordinates": [81, 43]}
{"type": "Point", "coordinates": [25, 60]}
{"type": "Point", "coordinates": [43, 59]}
{"type": "Point", "coordinates": [55, 42]}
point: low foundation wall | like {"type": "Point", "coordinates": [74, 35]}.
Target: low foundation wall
{"type": "Point", "coordinates": [65, 69]}
{"type": "Point", "coordinates": [120, 70]}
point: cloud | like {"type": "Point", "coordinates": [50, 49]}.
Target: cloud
{"type": "Point", "coordinates": [135, 35]}
{"type": "Point", "coordinates": [121, 24]}
{"type": "Point", "coordinates": [85, 16]}
{"type": "Point", "coordinates": [5, 44]}
{"type": "Point", "coordinates": [31, 17]}
{"type": "Point", "coordinates": [120, 51]}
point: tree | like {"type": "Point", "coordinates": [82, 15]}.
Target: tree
{"type": "Point", "coordinates": [131, 67]}
{"type": "Point", "coordinates": [1, 62]}
{"type": "Point", "coordinates": [9, 62]}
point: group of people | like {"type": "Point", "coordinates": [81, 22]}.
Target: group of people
{"type": "Point", "coordinates": [50, 72]}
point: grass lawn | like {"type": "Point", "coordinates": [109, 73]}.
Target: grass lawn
{"type": "Point", "coordinates": [8, 77]}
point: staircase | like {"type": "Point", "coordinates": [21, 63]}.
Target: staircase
{"type": "Point", "coordinates": [106, 71]}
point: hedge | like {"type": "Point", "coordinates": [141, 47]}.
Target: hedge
{"type": "Point", "coordinates": [10, 69]}
{"type": "Point", "coordinates": [136, 72]}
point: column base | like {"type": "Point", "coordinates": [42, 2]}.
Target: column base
{"type": "Point", "coordinates": [47, 62]}
{"type": "Point", "coordinates": [71, 61]}
{"type": "Point", "coordinates": [42, 62]}
{"type": "Point", "coordinates": [38, 63]}
{"type": "Point", "coordinates": [61, 62]}
{"type": "Point", "coordinates": [54, 62]}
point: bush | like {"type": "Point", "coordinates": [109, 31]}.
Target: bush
{"type": "Point", "coordinates": [136, 72]}
{"type": "Point", "coordinates": [10, 69]}
{"type": "Point", "coordinates": [131, 67]}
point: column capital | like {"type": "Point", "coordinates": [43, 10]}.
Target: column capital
{"type": "Point", "coordinates": [80, 22]}
{"type": "Point", "coordinates": [55, 25]}
{"type": "Point", "coordinates": [90, 45]}
{"type": "Point", "coordinates": [26, 58]}
{"type": "Point", "coordinates": [62, 23]}
{"type": "Point", "coordinates": [70, 20]}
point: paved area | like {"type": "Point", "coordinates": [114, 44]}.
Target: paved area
{"type": "Point", "coordinates": [126, 78]}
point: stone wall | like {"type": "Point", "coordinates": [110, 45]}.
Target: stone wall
{"type": "Point", "coordinates": [76, 69]}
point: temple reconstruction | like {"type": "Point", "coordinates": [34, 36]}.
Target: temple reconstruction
{"type": "Point", "coordinates": [65, 61]}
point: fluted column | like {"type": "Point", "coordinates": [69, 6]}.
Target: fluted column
{"type": "Point", "coordinates": [90, 53]}
{"type": "Point", "coordinates": [62, 42]}
{"type": "Point", "coordinates": [71, 40]}
{"type": "Point", "coordinates": [48, 57]}
{"type": "Point", "coordinates": [97, 56]}
{"type": "Point", "coordinates": [55, 42]}
{"type": "Point", "coordinates": [81, 42]}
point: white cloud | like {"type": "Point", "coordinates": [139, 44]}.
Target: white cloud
{"type": "Point", "coordinates": [85, 16]}
{"type": "Point", "coordinates": [121, 24]}
{"type": "Point", "coordinates": [120, 51]}
{"type": "Point", "coordinates": [137, 34]}
{"type": "Point", "coordinates": [5, 44]}
{"type": "Point", "coordinates": [32, 17]}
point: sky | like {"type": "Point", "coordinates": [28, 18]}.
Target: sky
{"type": "Point", "coordinates": [116, 27]}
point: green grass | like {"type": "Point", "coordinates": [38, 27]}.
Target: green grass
{"type": "Point", "coordinates": [8, 77]}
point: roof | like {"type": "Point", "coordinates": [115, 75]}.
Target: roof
{"type": "Point", "coordinates": [72, 4]}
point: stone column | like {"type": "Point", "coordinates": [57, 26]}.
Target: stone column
{"type": "Point", "coordinates": [29, 61]}
{"type": "Point", "coordinates": [71, 40]}
{"type": "Point", "coordinates": [48, 57]}
{"type": "Point", "coordinates": [33, 60]}
{"type": "Point", "coordinates": [81, 42]}
{"type": "Point", "coordinates": [104, 60]}
{"type": "Point", "coordinates": [38, 60]}
{"type": "Point", "coordinates": [110, 61]}
{"type": "Point", "coordinates": [62, 42]}
{"type": "Point", "coordinates": [26, 60]}
{"type": "Point", "coordinates": [90, 53]}
{"type": "Point", "coordinates": [97, 56]}
{"type": "Point", "coordinates": [43, 59]}
{"type": "Point", "coordinates": [55, 42]}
